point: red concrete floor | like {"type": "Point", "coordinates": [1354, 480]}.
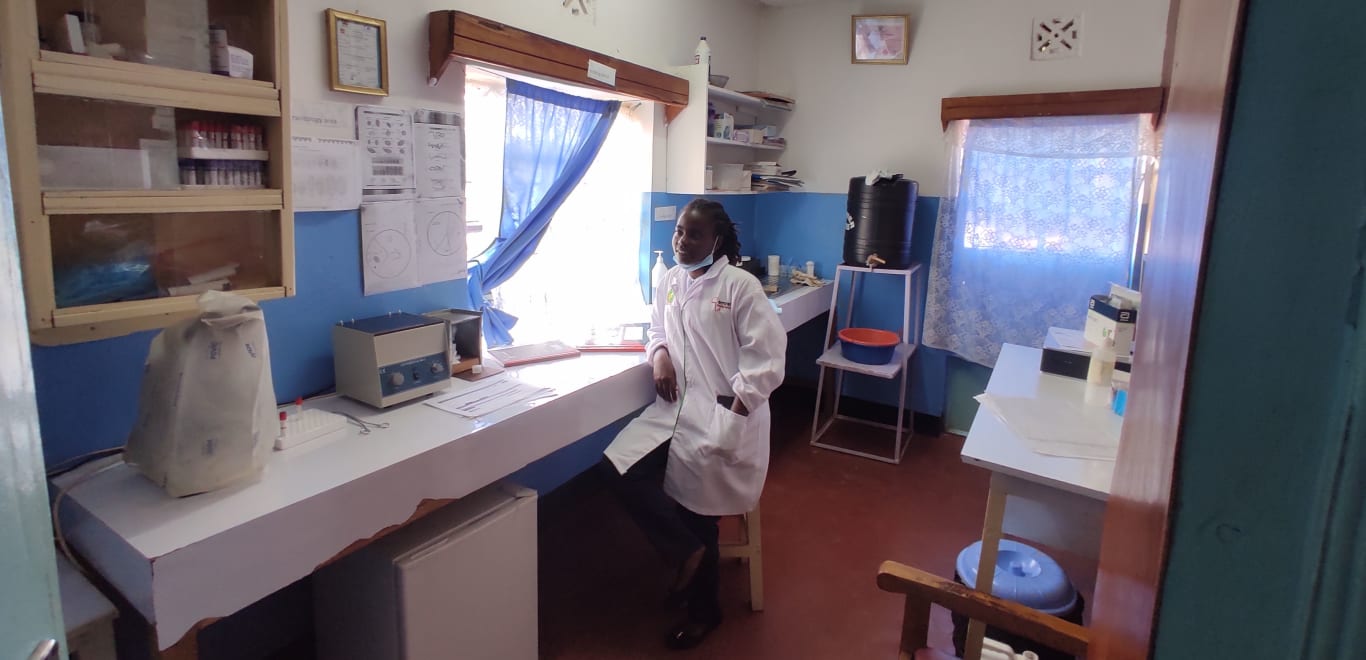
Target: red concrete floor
{"type": "Point", "coordinates": [829, 519]}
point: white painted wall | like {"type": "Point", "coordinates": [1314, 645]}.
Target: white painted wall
{"type": "Point", "coordinates": [655, 33]}
{"type": "Point", "coordinates": [851, 119]}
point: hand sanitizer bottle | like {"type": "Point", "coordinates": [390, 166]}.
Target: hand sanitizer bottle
{"type": "Point", "coordinates": [1101, 372]}
{"type": "Point", "coordinates": [657, 273]}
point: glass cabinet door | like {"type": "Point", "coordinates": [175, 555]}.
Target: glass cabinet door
{"type": "Point", "coordinates": [107, 258]}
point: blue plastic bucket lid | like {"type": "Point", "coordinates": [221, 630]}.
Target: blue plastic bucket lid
{"type": "Point", "coordinates": [1024, 575]}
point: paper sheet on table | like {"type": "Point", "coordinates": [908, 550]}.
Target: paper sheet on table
{"type": "Point", "coordinates": [487, 396]}
{"type": "Point", "coordinates": [440, 161]}
{"type": "Point", "coordinates": [388, 247]}
{"type": "Point", "coordinates": [1059, 427]}
{"type": "Point", "coordinates": [1071, 340]}
{"type": "Point", "coordinates": [440, 239]}
{"type": "Point", "coordinates": [326, 174]}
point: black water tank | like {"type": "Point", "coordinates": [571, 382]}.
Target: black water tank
{"type": "Point", "coordinates": [880, 220]}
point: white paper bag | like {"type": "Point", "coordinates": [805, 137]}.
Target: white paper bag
{"type": "Point", "coordinates": [206, 414]}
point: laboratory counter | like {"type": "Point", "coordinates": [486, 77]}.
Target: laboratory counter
{"type": "Point", "coordinates": [182, 563]}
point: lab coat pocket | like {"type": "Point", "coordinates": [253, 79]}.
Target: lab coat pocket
{"type": "Point", "coordinates": [729, 434]}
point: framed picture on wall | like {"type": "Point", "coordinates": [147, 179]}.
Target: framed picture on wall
{"type": "Point", "coordinates": [357, 53]}
{"type": "Point", "coordinates": [882, 39]}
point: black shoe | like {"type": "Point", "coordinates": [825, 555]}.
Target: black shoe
{"type": "Point", "coordinates": [689, 634]}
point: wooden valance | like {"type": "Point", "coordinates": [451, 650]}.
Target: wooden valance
{"type": "Point", "coordinates": [456, 35]}
{"type": "Point", "coordinates": [1061, 104]}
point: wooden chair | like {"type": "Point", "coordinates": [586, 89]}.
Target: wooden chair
{"type": "Point", "coordinates": [923, 589]}
{"type": "Point", "coordinates": [750, 550]}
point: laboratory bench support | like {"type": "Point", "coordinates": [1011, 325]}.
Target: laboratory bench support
{"type": "Point", "coordinates": [833, 363]}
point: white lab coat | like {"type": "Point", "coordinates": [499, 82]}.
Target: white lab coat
{"type": "Point", "coordinates": [725, 340]}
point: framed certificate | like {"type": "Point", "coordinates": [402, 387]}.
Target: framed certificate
{"type": "Point", "coordinates": [357, 53]}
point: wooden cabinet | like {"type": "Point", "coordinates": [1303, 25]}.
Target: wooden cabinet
{"type": "Point", "coordinates": [123, 217]}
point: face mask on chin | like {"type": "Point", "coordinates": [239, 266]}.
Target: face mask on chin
{"type": "Point", "coordinates": [705, 262]}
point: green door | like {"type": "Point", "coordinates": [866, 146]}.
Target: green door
{"type": "Point", "coordinates": [30, 611]}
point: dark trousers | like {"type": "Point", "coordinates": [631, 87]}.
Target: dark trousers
{"type": "Point", "coordinates": [674, 531]}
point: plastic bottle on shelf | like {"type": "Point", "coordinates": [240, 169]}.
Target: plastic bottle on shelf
{"type": "Point", "coordinates": [1101, 372]}
{"type": "Point", "coordinates": [703, 55]}
{"type": "Point", "coordinates": [657, 273]}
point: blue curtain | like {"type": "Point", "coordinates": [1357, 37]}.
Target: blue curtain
{"type": "Point", "coordinates": [550, 140]}
{"type": "Point", "coordinates": [1039, 215]}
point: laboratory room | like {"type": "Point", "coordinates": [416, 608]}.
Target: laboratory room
{"type": "Point", "coordinates": [584, 329]}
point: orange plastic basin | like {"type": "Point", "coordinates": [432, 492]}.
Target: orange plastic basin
{"type": "Point", "coordinates": [869, 337]}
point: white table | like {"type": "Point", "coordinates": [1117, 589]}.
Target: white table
{"type": "Point", "coordinates": [182, 563]}
{"type": "Point", "coordinates": [1056, 501]}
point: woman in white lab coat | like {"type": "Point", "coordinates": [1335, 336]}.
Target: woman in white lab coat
{"type": "Point", "coordinates": [700, 451]}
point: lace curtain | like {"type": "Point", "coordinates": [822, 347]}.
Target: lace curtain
{"type": "Point", "coordinates": [1039, 214]}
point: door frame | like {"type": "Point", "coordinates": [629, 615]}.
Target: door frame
{"type": "Point", "coordinates": [1203, 42]}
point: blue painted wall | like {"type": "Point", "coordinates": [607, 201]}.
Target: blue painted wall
{"type": "Point", "coordinates": [810, 227]}
{"type": "Point", "coordinates": [803, 226]}
{"type": "Point", "coordinates": [1269, 395]}
{"type": "Point", "coordinates": [88, 393]}
{"type": "Point", "coordinates": [101, 379]}
{"type": "Point", "coordinates": [740, 208]}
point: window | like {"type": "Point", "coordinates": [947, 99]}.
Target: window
{"type": "Point", "coordinates": [584, 275]}
{"type": "Point", "coordinates": [485, 116]}
{"type": "Point", "coordinates": [1039, 215]}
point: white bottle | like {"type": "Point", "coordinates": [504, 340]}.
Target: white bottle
{"type": "Point", "coordinates": [657, 273]}
{"type": "Point", "coordinates": [1101, 372]}
{"type": "Point", "coordinates": [703, 55]}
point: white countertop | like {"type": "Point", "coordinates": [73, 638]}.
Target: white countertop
{"type": "Point", "coordinates": [183, 561]}
{"type": "Point", "coordinates": [802, 304]}
{"type": "Point", "coordinates": [992, 445]}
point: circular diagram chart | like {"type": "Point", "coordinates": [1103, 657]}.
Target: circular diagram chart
{"type": "Point", "coordinates": [389, 254]}
{"type": "Point", "coordinates": [441, 233]}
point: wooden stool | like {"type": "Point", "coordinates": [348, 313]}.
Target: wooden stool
{"type": "Point", "coordinates": [750, 549]}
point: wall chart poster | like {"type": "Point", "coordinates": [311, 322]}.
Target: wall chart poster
{"type": "Point", "coordinates": [441, 239]}
{"type": "Point", "coordinates": [388, 247]}
{"type": "Point", "coordinates": [326, 174]}
{"type": "Point", "coordinates": [386, 139]}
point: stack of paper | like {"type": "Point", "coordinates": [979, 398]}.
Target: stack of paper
{"type": "Point", "coordinates": [772, 100]}
{"type": "Point", "coordinates": [1059, 427]}
{"type": "Point", "coordinates": [486, 396]}
{"type": "Point", "coordinates": [776, 182]}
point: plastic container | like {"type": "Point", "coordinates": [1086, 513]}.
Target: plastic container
{"type": "Point", "coordinates": [881, 218]}
{"type": "Point", "coordinates": [1027, 576]}
{"type": "Point", "coordinates": [702, 54]}
{"type": "Point", "coordinates": [657, 273]}
{"type": "Point", "coordinates": [1100, 373]}
{"type": "Point", "coordinates": [868, 345]}
{"type": "Point", "coordinates": [731, 176]}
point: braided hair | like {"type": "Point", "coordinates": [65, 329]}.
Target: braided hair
{"type": "Point", "coordinates": [728, 240]}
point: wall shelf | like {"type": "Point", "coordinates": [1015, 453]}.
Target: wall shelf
{"type": "Point", "coordinates": [741, 99]}
{"type": "Point", "coordinates": [121, 311]}
{"type": "Point", "coordinates": [205, 153]}
{"type": "Point", "coordinates": [68, 202]}
{"type": "Point", "coordinates": [59, 99]}
{"type": "Point", "coordinates": [742, 145]}
{"type": "Point", "coordinates": [745, 192]}
{"type": "Point", "coordinates": [690, 147]}
{"type": "Point", "coordinates": [111, 80]}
